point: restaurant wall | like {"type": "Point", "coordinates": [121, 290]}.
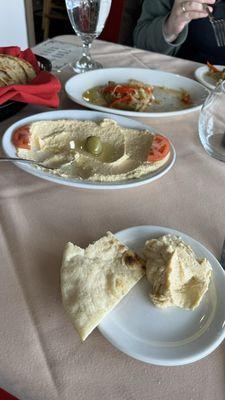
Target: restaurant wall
{"type": "Point", "coordinates": [16, 23]}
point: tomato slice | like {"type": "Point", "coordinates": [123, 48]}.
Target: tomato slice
{"type": "Point", "coordinates": [124, 99]}
{"type": "Point", "coordinates": [186, 98]}
{"type": "Point", "coordinates": [117, 89]}
{"type": "Point", "coordinates": [21, 137]}
{"type": "Point", "coordinates": [160, 148]}
{"type": "Point", "coordinates": [120, 89]}
{"type": "Point", "coordinates": [212, 67]}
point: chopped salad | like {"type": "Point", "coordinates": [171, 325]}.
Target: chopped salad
{"type": "Point", "coordinates": [133, 95]}
{"type": "Point", "coordinates": [215, 73]}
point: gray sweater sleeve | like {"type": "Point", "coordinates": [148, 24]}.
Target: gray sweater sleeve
{"type": "Point", "coordinates": [148, 33]}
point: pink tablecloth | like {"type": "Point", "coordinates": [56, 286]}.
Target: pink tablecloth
{"type": "Point", "coordinates": [41, 356]}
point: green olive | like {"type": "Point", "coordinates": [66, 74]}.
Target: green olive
{"type": "Point", "coordinates": [94, 145]}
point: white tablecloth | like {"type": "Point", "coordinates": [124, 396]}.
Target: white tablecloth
{"type": "Point", "coordinates": [41, 356]}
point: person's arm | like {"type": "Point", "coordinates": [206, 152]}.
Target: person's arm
{"type": "Point", "coordinates": [149, 31]}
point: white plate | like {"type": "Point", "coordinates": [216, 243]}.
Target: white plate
{"type": "Point", "coordinates": [10, 150]}
{"type": "Point", "coordinates": [76, 86]}
{"type": "Point", "coordinates": [200, 75]}
{"type": "Point", "coordinates": [171, 336]}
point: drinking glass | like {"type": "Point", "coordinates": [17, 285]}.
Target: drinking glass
{"type": "Point", "coordinates": [87, 18]}
{"type": "Point", "coordinates": [212, 123]}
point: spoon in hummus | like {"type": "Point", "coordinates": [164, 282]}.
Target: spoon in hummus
{"type": "Point", "coordinates": [25, 161]}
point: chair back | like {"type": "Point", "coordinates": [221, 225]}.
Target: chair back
{"type": "Point", "coordinates": [131, 13]}
{"type": "Point", "coordinates": [111, 30]}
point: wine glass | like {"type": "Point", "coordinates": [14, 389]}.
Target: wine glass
{"type": "Point", "coordinates": [87, 18]}
{"type": "Point", "coordinates": [212, 123]}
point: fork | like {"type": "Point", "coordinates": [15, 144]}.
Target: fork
{"type": "Point", "coordinates": [24, 160]}
{"type": "Point", "coordinates": [218, 28]}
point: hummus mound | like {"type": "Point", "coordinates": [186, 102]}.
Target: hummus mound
{"type": "Point", "coordinates": [61, 144]}
{"type": "Point", "coordinates": [177, 278]}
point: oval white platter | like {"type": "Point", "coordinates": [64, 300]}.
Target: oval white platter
{"type": "Point", "coordinates": [77, 85]}
{"type": "Point", "coordinates": [169, 336]}
{"type": "Point", "coordinates": [10, 150]}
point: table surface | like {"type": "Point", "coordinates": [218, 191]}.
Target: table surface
{"type": "Point", "coordinates": [41, 356]}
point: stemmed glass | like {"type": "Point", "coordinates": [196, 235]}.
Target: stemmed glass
{"type": "Point", "coordinates": [87, 18]}
{"type": "Point", "coordinates": [212, 123]}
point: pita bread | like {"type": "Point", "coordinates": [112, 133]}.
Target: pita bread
{"type": "Point", "coordinates": [95, 279]}
{"type": "Point", "coordinates": [14, 70]}
{"type": "Point", "coordinates": [3, 78]}
{"type": "Point", "coordinates": [28, 69]}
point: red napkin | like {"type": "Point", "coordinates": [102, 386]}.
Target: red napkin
{"type": "Point", "coordinates": [6, 396]}
{"type": "Point", "coordinates": [43, 89]}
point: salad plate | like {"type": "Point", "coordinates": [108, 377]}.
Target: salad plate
{"type": "Point", "coordinates": [10, 150]}
{"type": "Point", "coordinates": [167, 105]}
{"type": "Point", "coordinates": [170, 336]}
{"type": "Point", "coordinates": [201, 74]}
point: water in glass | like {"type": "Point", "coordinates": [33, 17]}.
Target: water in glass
{"type": "Point", "coordinates": [87, 18]}
{"type": "Point", "coordinates": [212, 123]}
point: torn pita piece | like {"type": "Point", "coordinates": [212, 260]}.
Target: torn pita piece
{"type": "Point", "coordinates": [95, 279]}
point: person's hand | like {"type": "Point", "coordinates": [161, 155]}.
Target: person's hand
{"type": "Point", "coordinates": [182, 13]}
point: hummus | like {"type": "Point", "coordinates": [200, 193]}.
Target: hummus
{"type": "Point", "coordinates": [177, 278]}
{"type": "Point", "coordinates": [61, 144]}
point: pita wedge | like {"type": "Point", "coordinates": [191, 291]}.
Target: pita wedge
{"type": "Point", "coordinates": [4, 78]}
{"type": "Point", "coordinates": [95, 279]}
{"type": "Point", "coordinates": [14, 70]}
{"type": "Point", "coordinates": [27, 68]}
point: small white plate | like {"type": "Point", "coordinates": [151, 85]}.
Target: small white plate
{"type": "Point", "coordinates": [76, 86]}
{"type": "Point", "coordinates": [200, 75]}
{"type": "Point", "coordinates": [171, 336]}
{"type": "Point", "coordinates": [10, 150]}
